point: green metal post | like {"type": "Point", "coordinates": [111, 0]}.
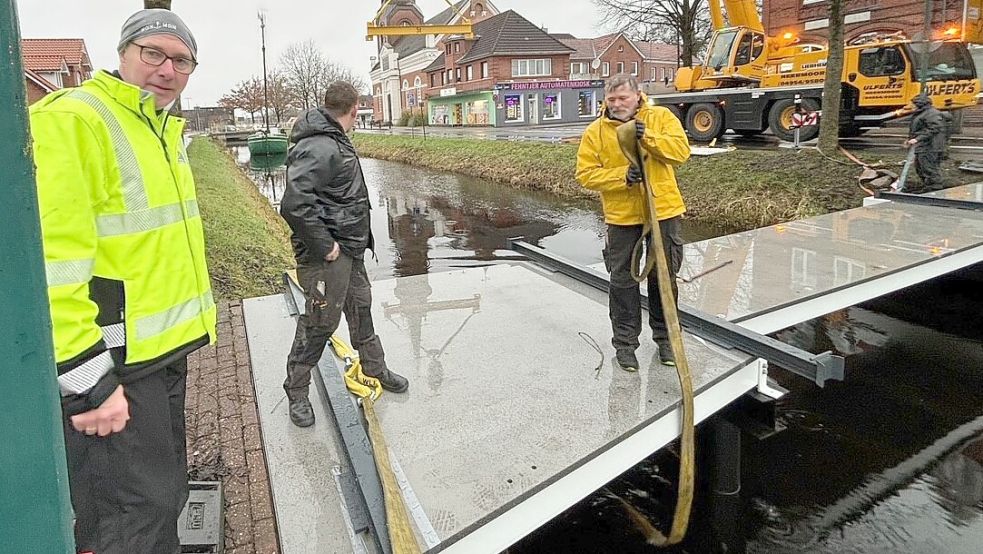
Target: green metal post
{"type": "Point", "coordinates": [35, 510]}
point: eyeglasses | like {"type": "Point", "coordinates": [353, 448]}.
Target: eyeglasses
{"type": "Point", "coordinates": [152, 56]}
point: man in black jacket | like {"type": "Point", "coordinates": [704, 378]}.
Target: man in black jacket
{"type": "Point", "coordinates": [927, 137]}
{"type": "Point", "coordinates": [326, 204]}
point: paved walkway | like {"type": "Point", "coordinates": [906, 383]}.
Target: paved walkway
{"type": "Point", "coordinates": [223, 435]}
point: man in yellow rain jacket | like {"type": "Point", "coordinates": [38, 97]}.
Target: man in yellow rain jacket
{"type": "Point", "coordinates": [127, 283]}
{"type": "Point", "coordinates": [601, 166]}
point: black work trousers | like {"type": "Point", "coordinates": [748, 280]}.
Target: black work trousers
{"type": "Point", "coordinates": [129, 488]}
{"type": "Point", "coordinates": [332, 288]}
{"type": "Point", "coordinates": [928, 166]}
{"type": "Point", "coordinates": [624, 298]}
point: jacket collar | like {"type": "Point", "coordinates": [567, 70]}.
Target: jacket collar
{"type": "Point", "coordinates": [127, 95]}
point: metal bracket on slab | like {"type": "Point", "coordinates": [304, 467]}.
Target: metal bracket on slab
{"type": "Point", "coordinates": [818, 368]}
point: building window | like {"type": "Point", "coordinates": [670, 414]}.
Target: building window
{"type": "Point", "coordinates": [662, 73]}
{"type": "Point", "coordinates": [433, 80]}
{"type": "Point", "coordinates": [484, 70]}
{"type": "Point", "coordinates": [457, 47]}
{"type": "Point", "coordinates": [457, 74]}
{"type": "Point", "coordinates": [532, 68]}
{"type": "Point", "coordinates": [605, 69]}
{"type": "Point", "coordinates": [513, 107]}
{"type": "Point", "coordinates": [447, 48]}
{"type": "Point", "coordinates": [621, 67]}
{"type": "Point", "coordinates": [551, 106]}
{"type": "Point", "coordinates": [470, 72]}
{"type": "Point", "coordinates": [585, 103]}
{"type": "Point", "coordinates": [816, 24]}
{"type": "Point", "coordinates": [634, 68]}
{"type": "Point", "coordinates": [417, 83]}
{"type": "Point", "coordinates": [450, 77]}
{"type": "Point", "coordinates": [406, 84]}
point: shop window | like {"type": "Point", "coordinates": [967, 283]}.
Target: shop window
{"type": "Point", "coordinates": [478, 112]}
{"type": "Point", "coordinates": [585, 103]}
{"type": "Point", "coordinates": [513, 107]}
{"type": "Point", "coordinates": [551, 106]}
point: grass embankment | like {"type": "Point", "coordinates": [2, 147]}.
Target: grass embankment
{"type": "Point", "coordinates": [246, 241]}
{"type": "Point", "coordinates": [740, 190]}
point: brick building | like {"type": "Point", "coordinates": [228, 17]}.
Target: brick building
{"type": "Point", "coordinates": [601, 57]}
{"type": "Point", "coordinates": [809, 19]}
{"type": "Point", "coordinates": [511, 73]}
{"type": "Point", "coordinates": [398, 79]}
{"type": "Point", "coordinates": [53, 64]}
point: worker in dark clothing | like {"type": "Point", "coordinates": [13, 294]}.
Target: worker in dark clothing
{"type": "Point", "coordinates": [326, 204]}
{"type": "Point", "coordinates": [927, 137]}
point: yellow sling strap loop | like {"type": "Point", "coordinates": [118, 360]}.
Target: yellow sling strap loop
{"type": "Point", "coordinates": [687, 457]}
{"type": "Point", "coordinates": [369, 389]}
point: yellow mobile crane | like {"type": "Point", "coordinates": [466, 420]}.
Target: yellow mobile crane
{"type": "Point", "coordinates": [750, 82]}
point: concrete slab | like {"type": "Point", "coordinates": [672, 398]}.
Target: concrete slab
{"type": "Point", "coordinates": [508, 420]}
{"type": "Point", "coordinates": [306, 501]}
{"type": "Point", "coordinates": [785, 274]}
{"type": "Point", "coordinates": [505, 400]}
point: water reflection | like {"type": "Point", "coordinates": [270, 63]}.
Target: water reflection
{"type": "Point", "coordinates": [269, 172]}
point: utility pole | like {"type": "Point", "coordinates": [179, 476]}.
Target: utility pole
{"type": "Point", "coordinates": [35, 510]}
{"type": "Point", "coordinates": [266, 101]}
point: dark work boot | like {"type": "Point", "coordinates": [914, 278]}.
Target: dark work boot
{"type": "Point", "coordinates": [665, 353]}
{"type": "Point", "coordinates": [301, 412]}
{"type": "Point", "coordinates": [626, 359]}
{"type": "Point", "coordinates": [392, 382]}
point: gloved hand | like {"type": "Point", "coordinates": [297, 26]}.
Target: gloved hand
{"type": "Point", "coordinates": [639, 129]}
{"type": "Point", "coordinates": [634, 175]}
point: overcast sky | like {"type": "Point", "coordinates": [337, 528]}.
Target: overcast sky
{"type": "Point", "coordinates": [227, 31]}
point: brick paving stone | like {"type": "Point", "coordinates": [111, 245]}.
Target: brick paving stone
{"type": "Point", "coordinates": [224, 441]}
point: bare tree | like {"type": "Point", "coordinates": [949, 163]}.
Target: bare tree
{"type": "Point", "coordinates": [302, 64]}
{"type": "Point", "coordinates": [682, 22]}
{"type": "Point", "coordinates": [152, 4]}
{"type": "Point", "coordinates": [282, 97]}
{"type": "Point", "coordinates": [247, 95]}
{"type": "Point", "coordinates": [308, 73]}
{"type": "Point", "coordinates": [829, 123]}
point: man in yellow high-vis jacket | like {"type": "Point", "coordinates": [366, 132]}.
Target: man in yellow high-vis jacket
{"type": "Point", "coordinates": [602, 167]}
{"type": "Point", "coordinates": [128, 286]}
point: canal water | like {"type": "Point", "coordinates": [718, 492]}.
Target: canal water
{"type": "Point", "coordinates": [890, 460]}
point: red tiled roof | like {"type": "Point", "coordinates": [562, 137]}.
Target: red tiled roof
{"type": "Point", "coordinates": [584, 48]}
{"type": "Point", "coordinates": [656, 50]}
{"type": "Point", "coordinates": [39, 53]}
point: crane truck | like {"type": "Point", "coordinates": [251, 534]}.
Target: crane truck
{"type": "Point", "coordinates": [750, 82]}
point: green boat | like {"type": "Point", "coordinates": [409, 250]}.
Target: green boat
{"type": "Point", "coordinates": [266, 143]}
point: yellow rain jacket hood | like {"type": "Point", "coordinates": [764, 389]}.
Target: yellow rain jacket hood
{"type": "Point", "coordinates": [601, 166]}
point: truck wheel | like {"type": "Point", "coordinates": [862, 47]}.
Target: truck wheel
{"type": "Point", "coordinates": [705, 122]}
{"type": "Point", "coordinates": [780, 120]}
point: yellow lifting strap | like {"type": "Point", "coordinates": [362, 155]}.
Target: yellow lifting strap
{"type": "Point", "coordinates": [656, 256]}
{"type": "Point", "coordinates": [374, 29]}
{"type": "Point", "coordinates": [369, 389]}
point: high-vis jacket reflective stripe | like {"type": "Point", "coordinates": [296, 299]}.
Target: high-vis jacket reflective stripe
{"type": "Point", "coordinates": [602, 167]}
{"type": "Point", "coordinates": [118, 202]}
